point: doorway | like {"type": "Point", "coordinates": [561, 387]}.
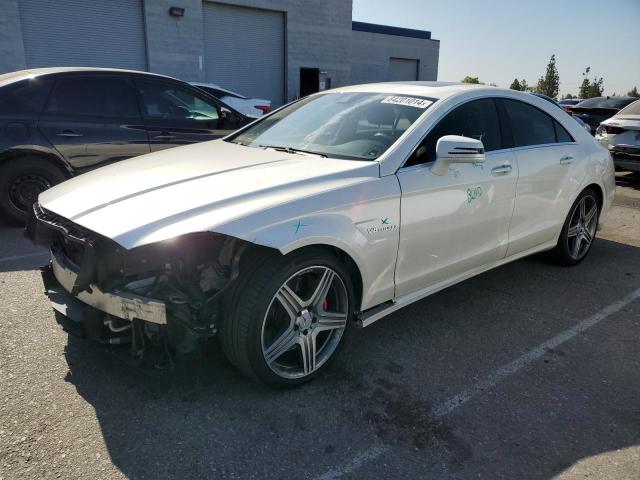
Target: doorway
{"type": "Point", "coordinates": [309, 81]}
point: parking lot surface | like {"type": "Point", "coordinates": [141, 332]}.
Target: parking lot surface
{"type": "Point", "coordinates": [528, 371]}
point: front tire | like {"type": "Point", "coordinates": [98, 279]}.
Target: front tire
{"type": "Point", "coordinates": [21, 181]}
{"type": "Point", "coordinates": [579, 229]}
{"type": "Point", "coordinates": [289, 318]}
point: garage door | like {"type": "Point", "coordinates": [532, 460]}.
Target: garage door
{"type": "Point", "coordinates": [93, 33]}
{"type": "Point", "coordinates": [403, 69]}
{"type": "Point", "coordinates": [244, 50]}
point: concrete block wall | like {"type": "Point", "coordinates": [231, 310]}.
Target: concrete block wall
{"type": "Point", "coordinates": [174, 44]}
{"type": "Point", "coordinates": [318, 35]}
{"type": "Point", "coordinates": [370, 54]}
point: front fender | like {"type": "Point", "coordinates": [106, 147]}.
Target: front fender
{"type": "Point", "coordinates": [363, 221]}
{"type": "Point", "coordinates": [375, 258]}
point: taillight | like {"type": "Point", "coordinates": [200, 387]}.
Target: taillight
{"type": "Point", "coordinates": [264, 108]}
{"type": "Point", "coordinates": [612, 130]}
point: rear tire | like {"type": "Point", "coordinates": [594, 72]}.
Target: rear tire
{"type": "Point", "coordinates": [21, 181]}
{"type": "Point", "coordinates": [285, 340]}
{"type": "Point", "coordinates": [579, 229]}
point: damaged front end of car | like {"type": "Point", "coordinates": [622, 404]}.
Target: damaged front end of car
{"type": "Point", "coordinates": [162, 297]}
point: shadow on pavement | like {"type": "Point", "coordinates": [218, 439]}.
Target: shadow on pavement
{"type": "Point", "coordinates": [203, 419]}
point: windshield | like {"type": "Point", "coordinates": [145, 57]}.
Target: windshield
{"type": "Point", "coordinates": [606, 102]}
{"type": "Point", "coordinates": [359, 126]}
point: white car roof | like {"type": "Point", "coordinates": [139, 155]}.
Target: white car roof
{"type": "Point", "coordinates": [437, 90]}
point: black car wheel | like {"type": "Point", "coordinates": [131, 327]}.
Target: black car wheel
{"type": "Point", "coordinates": [21, 181]}
{"type": "Point", "coordinates": [288, 318]}
{"type": "Point", "coordinates": [579, 229]}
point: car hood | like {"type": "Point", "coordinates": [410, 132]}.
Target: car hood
{"type": "Point", "coordinates": [202, 187]}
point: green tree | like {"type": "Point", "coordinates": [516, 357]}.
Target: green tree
{"type": "Point", "coordinates": [633, 92]}
{"type": "Point", "coordinates": [568, 96]}
{"type": "Point", "coordinates": [590, 88]}
{"type": "Point", "coordinates": [549, 84]}
{"type": "Point", "coordinates": [469, 79]}
{"type": "Point", "coordinates": [520, 85]}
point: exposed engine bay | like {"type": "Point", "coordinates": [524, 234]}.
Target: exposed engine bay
{"type": "Point", "coordinates": [189, 274]}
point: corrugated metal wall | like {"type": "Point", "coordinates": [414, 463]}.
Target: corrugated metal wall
{"type": "Point", "coordinates": [244, 50]}
{"type": "Point", "coordinates": [94, 33]}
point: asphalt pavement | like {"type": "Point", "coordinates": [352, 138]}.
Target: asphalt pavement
{"type": "Point", "coordinates": [529, 371]}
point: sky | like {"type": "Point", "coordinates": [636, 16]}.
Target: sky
{"type": "Point", "coordinates": [499, 40]}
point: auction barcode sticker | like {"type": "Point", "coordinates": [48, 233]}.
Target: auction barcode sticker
{"type": "Point", "coordinates": [409, 101]}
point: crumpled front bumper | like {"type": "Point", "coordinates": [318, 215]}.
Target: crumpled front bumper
{"type": "Point", "coordinates": [59, 277]}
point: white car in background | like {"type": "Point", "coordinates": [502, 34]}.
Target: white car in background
{"type": "Point", "coordinates": [251, 107]}
{"type": "Point", "coordinates": [333, 212]}
{"type": "Point", "coordinates": [621, 135]}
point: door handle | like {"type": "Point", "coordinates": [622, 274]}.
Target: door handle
{"type": "Point", "coordinates": [68, 134]}
{"type": "Point", "coordinates": [164, 136]}
{"type": "Point", "coordinates": [502, 169]}
{"type": "Point", "coordinates": [566, 160]}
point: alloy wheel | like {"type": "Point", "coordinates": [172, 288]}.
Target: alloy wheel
{"type": "Point", "coordinates": [582, 227]}
{"type": "Point", "coordinates": [304, 322]}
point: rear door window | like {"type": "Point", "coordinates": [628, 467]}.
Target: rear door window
{"type": "Point", "coordinates": [561, 133]}
{"type": "Point", "coordinates": [529, 125]}
{"type": "Point", "coordinates": [95, 97]}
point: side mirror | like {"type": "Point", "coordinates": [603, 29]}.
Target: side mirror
{"type": "Point", "coordinates": [225, 113]}
{"type": "Point", "coordinates": [456, 149]}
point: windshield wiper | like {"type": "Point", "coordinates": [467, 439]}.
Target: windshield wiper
{"type": "Point", "coordinates": [294, 150]}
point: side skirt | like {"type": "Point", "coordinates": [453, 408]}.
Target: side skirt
{"type": "Point", "coordinates": [374, 314]}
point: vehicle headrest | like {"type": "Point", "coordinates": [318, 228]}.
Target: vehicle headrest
{"type": "Point", "coordinates": [381, 114]}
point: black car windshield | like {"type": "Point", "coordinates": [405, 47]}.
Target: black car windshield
{"type": "Point", "coordinates": [350, 125]}
{"type": "Point", "coordinates": [606, 102]}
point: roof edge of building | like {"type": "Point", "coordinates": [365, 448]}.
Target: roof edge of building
{"type": "Point", "coordinates": [388, 30]}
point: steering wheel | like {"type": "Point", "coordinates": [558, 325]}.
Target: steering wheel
{"type": "Point", "coordinates": [383, 136]}
{"type": "Point", "coordinates": [183, 111]}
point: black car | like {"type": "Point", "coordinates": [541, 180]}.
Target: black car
{"type": "Point", "coordinates": [593, 111]}
{"type": "Point", "coordinates": [59, 122]}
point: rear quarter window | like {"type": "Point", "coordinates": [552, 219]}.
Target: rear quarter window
{"type": "Point", "coordinates": [24, 98]}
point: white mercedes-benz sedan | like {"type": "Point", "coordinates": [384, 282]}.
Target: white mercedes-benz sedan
{"type": "Point", "coordinates": [327, 214]}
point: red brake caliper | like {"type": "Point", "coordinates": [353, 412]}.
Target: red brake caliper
{"type": "Point", "coordinates": [325, 304]}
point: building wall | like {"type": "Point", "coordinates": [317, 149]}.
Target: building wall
{"type": "Point", "coordinates": [11, 46]}
{"type": "Point", "coordinates": [318, 35]}
{"type": "Point", "coordinates": [174, 44]}
{"type": "Point", "coordinates": [371, 52]}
